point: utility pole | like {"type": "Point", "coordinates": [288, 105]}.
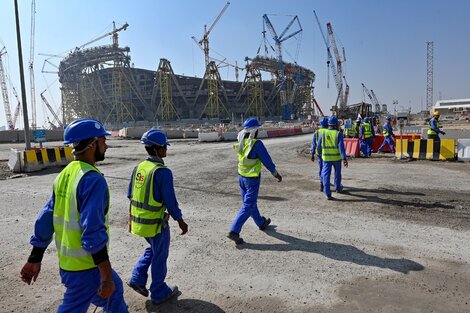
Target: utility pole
{"type": "Point", "coordinates": [429, 75]}
{"type": "Point", "coordinates": [23, 88]}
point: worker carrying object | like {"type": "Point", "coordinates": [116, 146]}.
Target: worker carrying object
{"type": "Point", "coordinates": [313, 150]}
{"type": "Point", "coordinates": [152, 194]}
{"type": "Point", "coordinates": [435, 127]}
{"type": "Point", "coordinates": [331, 149]}
{"type": "Point", "coordinates": [251, 154]}
{"type": "Point", "coordinates": [366, 135]}
{"type": "Point", "coordinates": [78, 213]}
{"type": "Point", "coordinates": [388, 135]}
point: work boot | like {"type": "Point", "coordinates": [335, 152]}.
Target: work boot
{"type": "Point", "coordinates": [329, 197]}
{"type": "Point", "coordinates": [265, 224]}
{"type": "Point", "coordinates": [340, 189]}
{"type": "Point", "coordinates": [174, 291]}
{"type": "Point", "coordinates": [235, 237]}
{"type": "Point", "coordinates": [321, 187]}
{"type": "Point", "coordinates": [139, 289]}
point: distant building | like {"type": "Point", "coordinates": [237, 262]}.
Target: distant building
{"type": "Point", "coordinates": [452, 107]}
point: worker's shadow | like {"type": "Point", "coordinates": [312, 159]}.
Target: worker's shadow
{"type": "Point", "coordinates": [183, 306]}
{"type": "Point", "coordinates": [335, 251]}
{"type": "Point", "coordinates": [371, 195]}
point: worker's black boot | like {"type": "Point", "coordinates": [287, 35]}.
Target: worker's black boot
{"type": "Point", "coordinates": [235, 237]}
{"type": "Point", "coordinates": [321, 187]}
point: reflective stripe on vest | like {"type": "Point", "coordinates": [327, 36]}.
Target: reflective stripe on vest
{"type": "Point", "coordinates": [432, 131]}
{"type": "Point", "coordinates": [367, 130]}
{"type": "Point", "coordinates": [66, 218]}
{"type": "Point", "coordinates": [385, 131]}
{"type": "Point", "coordinates": [146, 216]}
{"type": "Point", "coordinates": [329, 146]}
{"type": "Point", "coordinates": [247, 167]}
{"type": "Point", "coordinates": [317, 135]}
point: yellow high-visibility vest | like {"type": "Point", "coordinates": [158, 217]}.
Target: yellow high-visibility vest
{"type": "Point", "coordinates": [247, 167]}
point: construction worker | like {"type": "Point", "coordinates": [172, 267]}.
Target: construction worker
{"type": "Point", "coordinates": [388, 136]}
{"type": "Point", "coordinates": [77, 213]}
{"type": "Point", "coordinates": [331, 150]}
{"type": "Point", "coordinates": [350, 132]}
{"type": "Point", "coordinates": [251, 154]}
{"type": "Point", "coordinates": [435, 127]}
{"type": "Point", "coordinates": [366, 134]}
{"type": "Point", "coordinates": [357, 127]}
{"type": "Point", "coordinates": [151, 194]}
{"type": "Point", "coordinates": [313, 150]}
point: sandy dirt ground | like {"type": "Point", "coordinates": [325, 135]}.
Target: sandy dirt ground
{"type": "Point", "coordinates": [397, 240]}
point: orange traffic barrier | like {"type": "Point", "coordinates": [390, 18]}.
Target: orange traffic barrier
{"type": "Point", "coordinates": [352, 148]}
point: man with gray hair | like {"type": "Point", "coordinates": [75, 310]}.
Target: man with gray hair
{"type": "Point", "coordinates": [251, 154]}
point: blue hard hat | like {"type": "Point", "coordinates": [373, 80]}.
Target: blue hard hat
{"type": "Point", "coordinates": [251, 122]}
{"type": "Point", "coordinates": [83, 129]}
{"type": "Point", "coordinates": [154, 137]}
{"type": "Point", "coordinates": [388, 118]}
{"type": "Point", "coordinates": [324, 121]}
{"type": "Point", "coordinates": [367, 119]}
{"type": "Point", "coordinates": [332, 120]}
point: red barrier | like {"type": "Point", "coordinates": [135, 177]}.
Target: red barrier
{"type": "Point", "coordinates": [273, 133]}
{"type": "Point", "coordinates": [379, 139]}
{"type": "Point", "coordinates": [352, 147]}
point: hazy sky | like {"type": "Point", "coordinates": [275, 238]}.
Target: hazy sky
{"type": "Point", "coordinates": [385, 41]}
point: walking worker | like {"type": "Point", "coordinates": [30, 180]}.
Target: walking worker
{"type": "Point", "coordinates": [151, 194]}
{"type": "Point", "coordinates": [251, 154]}
{"type": "Point", "coordinates": [365, 135]}
{"type": "Point", "coordinates": [388, 135]}
{"type": "Point", "coordinates": [331, 150]}
{"type": "Point", "coordinates": [357, 127]}
{"type": "Point", "coordinates": [313, 150]}
{"type": "Point", "coordinates": [435, 127]}
{"type": "Point", "coordinates": [77, 213]}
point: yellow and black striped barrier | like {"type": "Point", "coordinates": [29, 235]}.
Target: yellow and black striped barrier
{"type": "Point", "coordinates": [427, 149]}
{"type": "Point", "coordinates": [37, 159]}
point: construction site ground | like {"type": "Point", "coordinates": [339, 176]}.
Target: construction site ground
{"type": "Point", "coordinates": [397, 239]}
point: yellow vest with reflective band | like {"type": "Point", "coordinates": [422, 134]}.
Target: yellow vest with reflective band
{"type": "Point", "coordinates": [317, 135]}
{"type": "Point", "coordinates": [247, 167]}
{"type": "Point", "coordinates": [367, 130]}
{"type": "Point", "coordinates": [385, 132]}
{"type": "Point", "coordinates": [146, 213]}
{"type": "Point", "coordinates": [432, 131]}
{"type": "Point", "coordinates": [68, 232]}
{"type": "Point", "coordinates": [350, 132]}
{"type": "Point", "coordinates": [329, 146]}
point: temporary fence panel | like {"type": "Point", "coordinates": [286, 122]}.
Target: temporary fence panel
{"type": "Point", "coordinates": [463, 149]}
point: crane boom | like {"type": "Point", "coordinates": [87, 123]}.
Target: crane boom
{"type": "Point", "coordinates": [6, 100]}
{"type": "Point", "coordinates": [376, 101]}
{"type": "Point", "coordinates": [114, 31]}
{"type": "Point", "coordinates": [339, 68]}
{"type": "Point", "coordinates": [368, 93]}
{"type": "Point", "coordinates": [56, 117]}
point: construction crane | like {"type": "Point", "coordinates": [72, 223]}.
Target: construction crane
{"type": "Point", "coordinates": [278, 40]}
{"type": "Point", "coordinates": [378, 107]}
{"type": "Point", "coordinates": [6, 100]}
{"type": "Point", "coordinates": [339, 67]}
{"type": "Point", "coordinates": [31, 66]}
{"type": "Point", "coordinates": [204, 42]}
{"type": "Point", "coordinates": [372, 97]}
{"type": "Point", "coordinates": [54, 114]}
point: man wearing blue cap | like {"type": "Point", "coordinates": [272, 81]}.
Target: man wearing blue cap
{"type": "Point", "coordinates": [251, 154]}
{"type": "Point", "coordinates": [77, 213]}
{"type": "Point", "coordinates": [313, 150]}
{"type": "Point", "coordinates": [365, 136]}
{"type": "Point", "coordinates": [388, 136]}
{"type": "Point", "coordinates": [151, 193]}
{"type": "Point", "coordinates": [331, 150]}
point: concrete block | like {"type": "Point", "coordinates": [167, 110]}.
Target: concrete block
{"type": "Point", "coordinates": [463, 149]}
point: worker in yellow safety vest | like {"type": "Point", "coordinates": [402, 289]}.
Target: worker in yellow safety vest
{"type": "Point", "coordinates": [77, 213]}
{"type": "Point", "coordinates": [152, 195]}
{"type": "Point", "coordinates": [251, 154]}
{"type": "Point", "coordinates": [435, 127]}
{"type": "Point", "coordinates": [366, 135]}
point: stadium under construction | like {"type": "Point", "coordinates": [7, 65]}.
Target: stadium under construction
{"type": "Point", "coordinates": [100, 82]}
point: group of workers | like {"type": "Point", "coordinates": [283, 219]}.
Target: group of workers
{"type": "Point", "coordinates": [77, 211]}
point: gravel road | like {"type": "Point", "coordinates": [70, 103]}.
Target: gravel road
{"type": "Point", "coordinates": [397, 240]}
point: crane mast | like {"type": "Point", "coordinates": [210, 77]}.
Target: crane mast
{"type": "Point", "coordinates": [339, 67]}
{"type": "Point", "coordinates": [31, 66]}
{"type": "Point", "coordinates": [6, 100]}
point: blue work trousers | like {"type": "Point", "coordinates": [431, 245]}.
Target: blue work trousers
{"type": "Point", "coordinates": [320, 168]}
{"type": "Point", "coordinates": [366, 147]}
{"type": "Point", "coordinates": [154, 257]}
{"type": "Point", "coordinates": [249, 188]}
{"type": "Point", "coordinates": [388, 140]}
{"type": "Point", "coordinates": [81, 291]}
{"type": "Point", "coordinates": [326, 173]}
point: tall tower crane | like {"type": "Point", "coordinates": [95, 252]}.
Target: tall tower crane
{"type": "Point", "coordinates": [278, 40]}
{"type": "Point", "coordinates": [373, 99]}
{"type": "Point", "coordinates": [6, 100]}
{"type": "Point", "coordinates": [204, 42]}
{"type": "Point", "coordinates": [31, 66]}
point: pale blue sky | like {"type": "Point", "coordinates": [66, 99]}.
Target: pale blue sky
{"type": "Point", "coordinates": [385, 41]}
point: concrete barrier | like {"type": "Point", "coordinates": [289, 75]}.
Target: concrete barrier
{"type": "Point", "coordinates": [463, 149]}
{"type": "Point", "coordinates": [230, 136]}
{"type": "Point", "coordinates": [352, 148]}
{"type": "Point", "coordinates": [427, 149]}
{"type": "Point", "coordinates": [37, 159]}
{"type": "Point", "coordinates": [208, 137]}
